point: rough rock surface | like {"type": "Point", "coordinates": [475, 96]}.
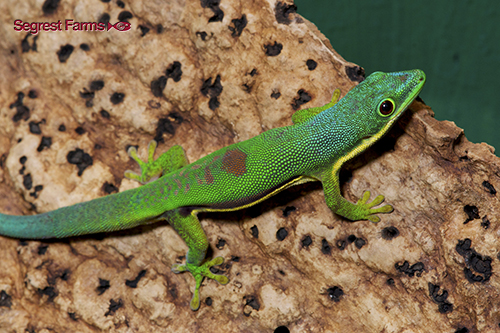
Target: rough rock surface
{"type": "Point", "coordinates": [205, 74]}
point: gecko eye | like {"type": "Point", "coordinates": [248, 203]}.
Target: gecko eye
{"type": "Point", "coordinates": [386, 107]}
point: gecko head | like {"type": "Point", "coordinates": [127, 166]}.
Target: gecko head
{"type": "Point", "coordinates": [377, 102]}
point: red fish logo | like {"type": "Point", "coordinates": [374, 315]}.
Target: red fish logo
{"type": "Point", "coordinates": [120, 26]}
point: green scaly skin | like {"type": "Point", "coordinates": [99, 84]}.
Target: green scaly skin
{"type": "Point", "coordinates": [242, 174]}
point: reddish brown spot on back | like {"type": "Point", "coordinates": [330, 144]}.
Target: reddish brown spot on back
{"type": "Point", "coordinates": [200, 181]}
{"type": "Point", "coordinates": [208, 176]}
{"type": "Point", "coordinates": [234, 162]}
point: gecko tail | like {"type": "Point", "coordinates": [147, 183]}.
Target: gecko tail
{"type": "Point", "coordinates": [26, 227]}
{"type": "Point", "coordinates": [114, 212]}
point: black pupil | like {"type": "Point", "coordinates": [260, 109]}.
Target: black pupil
{"type": "Point", "coordinates": [386, 107]}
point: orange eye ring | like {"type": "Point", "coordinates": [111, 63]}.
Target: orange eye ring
{"type": "Point", "coordinates": [386, 107]}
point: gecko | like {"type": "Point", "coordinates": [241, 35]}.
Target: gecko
{"type": "Point", "coordinates": [313, 148]}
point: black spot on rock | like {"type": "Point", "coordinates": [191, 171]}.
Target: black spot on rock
{"type": "Point", "coordinates": [35, 127]}
{"type": "Point", "coordinates": [113, 307]}
{"type": "Point", "coordinates": [302, 99]}
{"type": "Point", "coordinates": [213, 91]}
{"type": "Point", "coordinates": [25, 44]}
{"type": "Point", "coordinates": [281, 234]}
{"type": "Point", "coordinates": [96, 85]}
{"type": "Point", "coordinates": [214, 6]}
{"type": "Point", "coordinates": [19, 100]}
{"type": "Point", "coordinates": [85, 47]}
{"type": "Point", "coordinates": [306, 241]}
{"type": "Point", "coordinates": [462, 330]}
{"type": "Point", "coordinates": [104, 114]}
{"type": "Point", "coordinates": [273, 50]}
{"type": "Point", "coordinates": [220, 244]}
{"type": "Point", "coordinates": [255, 231]}
{"type": "Point", "coordinates": [42, 249]}
{"type": "Point", "coordinates": [359, 243]}
{"type": "Point", "coordinates": [311, 64]}
{"type": "Point", "coordinates": [144, 30]}
{"type": "Point", "coordinates": [335, 293]}
{"type": "Point", "coordinates": [390, 233]}
{"type": "Point", "coordinates": [326, 248]}
{"type": "Point", "coordinates": [489, 188]}
{"type": "Point", "coordinates": [485, 222]}
{"type": "Point", "coordinates": [202, 34]}
{"type": "Point", "coordinates": [435, 295]}
{"type": "Point", "coordinates": [445, 307]}
{"type": "Point", "coordinates": [5, 299]}
{"type": "Point", "coordinates": [117, 98]}
{"type": "Point", "coordinates": [167, 125]}
{"type": "Point", "coordinates": [45, 142]}
{"type": "Point", "coordinates": [174, 71]}
{"type": "Point", "coordinates": [50, 6]}
{"type": "Point", "coordinates": [32, 94]}
{"type": "Point", "coordinates": [50, 292]}
{"type": "Point", "coordinates": [239, 25]}
{"type": "Point", "coordinates": [341, 244]}
{"type": "Point", "coordinates": [282, 12]}
{"type": "Point", "coordinates": [288, 210]}
{"type": "Point", "coordinates": [125, 16]}
{"type": "Point", "coordinates": [27, 181]}
{"type": "Point", "coordinates": [472, 213]}
{"type": "Point", "coordinates": [133, 283]}
{"type": "Point", "coordinates": [275, 94]}
{"type": "Point", "coordinates": [81, 159]}
{"type": "Point", "coordinates": [252, 301]}
{"type": "Point", "coordinates": [88, 96]}
{"type": "Point", "coordinates": [405, 268]}
{"type": "Point", "coordinates": [103, 286]}
{"type": "Point", "coordinates": [158, 85]}
{"type": "Point", "coordinates": [64, 52]}
{"type": "Point", "coordinates": [109, 188]}
{"type": "Point", "coordinates": [104, 18]}
{"type": "Point", "coordinates": [36, 190]}
{"type": "Point", "coordinates": [355, 74]}
{"type": "Point", "coordinates": [22, 112]}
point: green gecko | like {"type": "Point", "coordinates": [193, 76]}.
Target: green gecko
{"type": "Point", "coordinates": [243, 174]}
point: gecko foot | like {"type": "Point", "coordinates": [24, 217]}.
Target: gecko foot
{"type": "Point", "coordinates": [148, 168]}
{"type": "Point", "coordinates": [366, 211]}
{"type": "Point", "coordinates": [199, 272]}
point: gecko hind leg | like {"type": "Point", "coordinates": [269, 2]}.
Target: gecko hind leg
{"type": "Point", "coordinates": [189, 228]}
{"type": "Point", "coordinates": [171, 160]}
